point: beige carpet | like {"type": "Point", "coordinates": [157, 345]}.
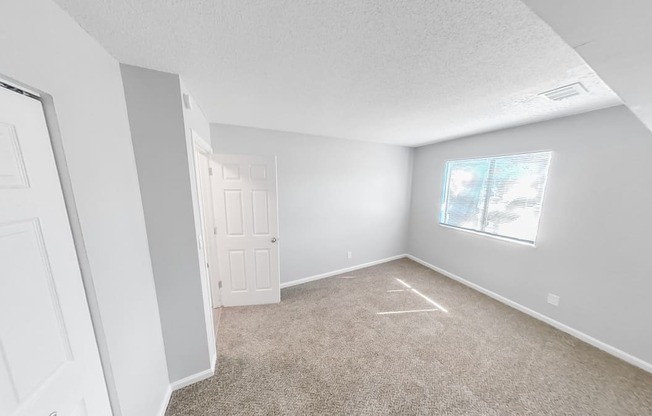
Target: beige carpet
{"type": "Point", "coordinates": [326, 350]}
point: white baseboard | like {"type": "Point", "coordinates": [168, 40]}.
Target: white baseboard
{"type": "Point", "coordinates": [192, 379]}
{"type": "Point", "coordinates": [165, 402]}
{"type": "Point", "coordinates": [340, 271]}
{"type": "Point", "coordinates": [186, 382]}
{"type": "Point", "coordinates": [562, 327]}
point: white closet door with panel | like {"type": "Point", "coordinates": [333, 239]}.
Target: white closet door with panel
{"type": "Point", "coordinates": [49, 363]}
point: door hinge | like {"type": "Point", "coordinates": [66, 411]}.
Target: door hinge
{"type": "Point", "coordinates": [215, 230]}
{"type": "Point", "coordinates": [208, 266]}
{"type": "Point", "coordinates": [219, 284]}
{"type": "Point", "coordinates": [210, 171]}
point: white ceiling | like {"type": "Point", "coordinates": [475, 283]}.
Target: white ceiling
{"type": "Point", "coordinates": [406, 72]}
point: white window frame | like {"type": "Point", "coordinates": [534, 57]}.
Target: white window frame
{"type": "Point", "coordinates": [445, 190]}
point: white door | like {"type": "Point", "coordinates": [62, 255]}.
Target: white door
{"type": "Point", "coordinates": [48, 356]}
{"type": "Point", "coordinates": [244, 200]}
{"type": "Point", "coordinates": [203, 160]}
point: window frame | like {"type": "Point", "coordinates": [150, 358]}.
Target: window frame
{"type": "Point", "coordinates": [445, 191]}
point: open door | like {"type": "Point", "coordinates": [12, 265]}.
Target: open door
{"type": "Point", "coordinates": [201, 159]}
{"type": "Point", "coordinates": [49, 362]}
{"type": "Point", "coordinates": [246, 218]}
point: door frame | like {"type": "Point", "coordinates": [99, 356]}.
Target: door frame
{"type": "Point", "coordinates": [200, 146]}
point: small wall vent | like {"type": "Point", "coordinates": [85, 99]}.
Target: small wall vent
{"type": "Point", "coordinates": [566, 91]}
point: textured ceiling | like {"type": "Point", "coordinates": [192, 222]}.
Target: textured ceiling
{"type": "Point", "coordinates": [393, 71]}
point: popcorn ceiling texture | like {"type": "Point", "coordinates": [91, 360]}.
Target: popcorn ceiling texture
{"type": "Point", "coordinates": [401, 72]}
{"type": "Point", "coordinates": [324, 350]}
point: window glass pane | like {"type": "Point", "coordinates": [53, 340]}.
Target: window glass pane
{"type": "Point", "coordinates": [465, 197]}
{"type": "Point", "coordinates": [515, 195]}
{"type": "Point", "coordinates": [500, 195]}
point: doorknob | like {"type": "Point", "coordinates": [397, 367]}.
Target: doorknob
{"type": "Point", "coordinates": [274, 239]}
{"type": "Point", "coordinates": [53, 414]}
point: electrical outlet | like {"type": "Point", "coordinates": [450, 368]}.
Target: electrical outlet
{"type": "Point", "coordinates": [553, 299]}
{"type": "Point", "coordinates": [349, 255]}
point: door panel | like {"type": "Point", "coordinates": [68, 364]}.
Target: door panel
{"type": "Point", "coordinates": [25, 269]}
{"type": "Point", "coordinates": [260, 212]}
{"type": "Point", "coordinates": [244, 192]}
{"type": "Point", "coordinates": [258, 172]}
{"type": "Point", "coordinates": [48, 356]}
{"type": "Point", "coordinates": [12, 166]}
{"type": "Point", "coordinates": [230, 172]}
{"type": "Point", "coordinates": [263, 268]}
{"type": "Point", "coordinates": [236, 270]}
{"type": "Point", "coordinates": [233, 209]}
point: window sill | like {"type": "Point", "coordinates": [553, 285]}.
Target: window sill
{"type": "Point", "coordinates": [497, 237]}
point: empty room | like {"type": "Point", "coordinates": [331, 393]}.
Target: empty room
{"type": "Point", "coordinates": [325, 207]}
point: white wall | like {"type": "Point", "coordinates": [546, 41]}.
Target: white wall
{"type": "Point", "coordinates": [614, 38]}
{"type": "Point", "coordinates": [593, 246]}
{"type": "Point", "coordinates": [334, 196]}
{"type": "Point", "coordinates": [160, 145]}
{"type": "Point", "coordinates": [44, 48]}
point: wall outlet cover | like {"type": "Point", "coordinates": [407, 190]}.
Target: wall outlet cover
{"type": "Point", "coordinates": [553, 299]}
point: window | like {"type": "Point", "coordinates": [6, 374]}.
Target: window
{"type": "Point", "coordinates": [500, 195]}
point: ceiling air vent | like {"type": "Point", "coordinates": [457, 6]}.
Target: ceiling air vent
{"type": "Point", "coordinates": [566, 91]}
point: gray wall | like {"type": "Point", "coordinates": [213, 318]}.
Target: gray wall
{"type": "Point", "coordinates": [334, 196]}
{"type": "Point", "coordinates": [44, 48]}
{"type": "Point", "coordinates": [159, 140]}
{"type": "Point", "coordinates": [593, 246]}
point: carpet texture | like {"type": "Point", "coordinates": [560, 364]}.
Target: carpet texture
{"type": "Point", "coordinates": [330, 348]}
